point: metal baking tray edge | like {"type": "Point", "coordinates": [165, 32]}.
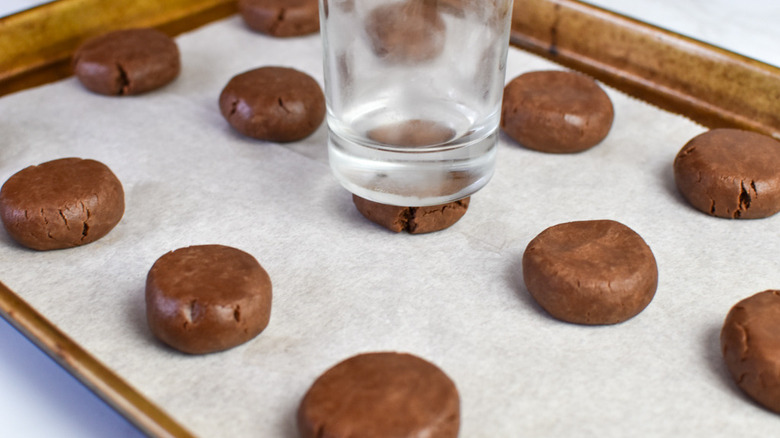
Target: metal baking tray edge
{"type": "Point", "coordinates": [125, 399]}
{"type": "Point", "coordinates": [709, 85]}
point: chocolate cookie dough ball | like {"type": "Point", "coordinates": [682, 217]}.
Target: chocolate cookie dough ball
{"type": "Point", "coordinates": [556, 111]}
{"type": "Point", "coordinates": [207, 298]}
{"type": "Point", "coordinates": [274, 104]}
{"type": "Point", "coordinates": [406, 32]}
{"type": "Point", "coordinates": [126, 62]}
{"type": "Point", "coordinates": [590, 272]}
{"type": "Point", "coordinates": [415, 220]}
{"type": "Point", "coordinates": [750, 341]}
{"type": "Point", "coordinates": [281, 18]}
{"type": "Point", "coordinates": [381, 395]}
{"type": "Point", "coordinates": [61, 203]}
{"type": "Point", "coordinates": [730, 173]}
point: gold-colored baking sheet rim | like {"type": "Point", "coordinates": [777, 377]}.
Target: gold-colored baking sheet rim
{"type": "Point", "coordinates": [711, 86]}
{"type": "Point", "coordinates": [149, 418]}
{"type": "Point", "coordinates": [37, 44]}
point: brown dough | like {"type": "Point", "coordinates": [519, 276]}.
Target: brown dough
{"type": "Point", "coordinates": [273, 103]}
{"type": "Point", "coordinates": [281, 18]}
{"type": "Point", "coordinates": [61, 203]}
{"type": "Point", "coordinates": [415, 220]}
{"type": "Point", "coordinates": [457, 8]}
{"type": "Point", "coordinates": [406, 32]}
{"type": "Point", "coordinates": [750, 341]}
{"type": "Point", "coordinates": [381, 395]}
{"type": "Point", "coordinates": [590, 272]}
{"type": "Point", "coordinates": [207, 298]}
{"type": "Point", "coordinates": [126, 62]}
{"type": "Point", "coordinates": [730, 173]}
{"type": "Point", "coordinates": [556, 111]}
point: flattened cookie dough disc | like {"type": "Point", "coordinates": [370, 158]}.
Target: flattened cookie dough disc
{"type": "Point", "coordinates": [415, 220]}
{"type": "Point", "coordinates": [381, 395]}
{"type": "Point", "coordinates": [281, 18]}
{"type": "Point", "coordinates": [406, 32]}
{"type": "Point", "coordinates": [750, 341]}
{"type": "Point", "coordinates": [125, 62]}
{"type": "Point", "coordinates": [556, 111]}
{"type": "Point", "coordinates": [61, 203]}
{"type": "Point", "coordinates": [730, 173]}
{"type": "Point", "coordinates": [202, 299]}
{"type": "Point", "coordinates": [590, 272]}
{"type": "Point", "coordinates": [273, 103]}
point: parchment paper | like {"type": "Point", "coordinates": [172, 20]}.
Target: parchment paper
{"type": "Point", "coordinates": [343, 285]}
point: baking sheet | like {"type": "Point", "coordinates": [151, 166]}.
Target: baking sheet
{"type": "Point", "coordinates": [740, 28]}
{"type": "Point", "coordinates": [343, 285]}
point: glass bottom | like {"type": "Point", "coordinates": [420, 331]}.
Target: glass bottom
{"type": "Point", "coordinates": [413, 177]}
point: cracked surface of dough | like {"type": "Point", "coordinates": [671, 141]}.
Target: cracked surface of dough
{"type": "Point", "coordinates": [750, 342]}
{"type": "Point", "coordinates": [61, 203]}
{"type": "Point", "coordinates": [207, 298]}
{"type": "Point", "coordinates": [127, 62]}
{"type": "Point", "coordinates": [730, 173]}
{"type": "Point", "coordinates": [415, 220]}
{"type": "Point", "coordinates": [281, 18]}
{"type": "Point", "coordinates": [273, 103]}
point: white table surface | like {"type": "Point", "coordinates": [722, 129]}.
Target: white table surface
{"type": "Point", "coordinates": [40, 399]}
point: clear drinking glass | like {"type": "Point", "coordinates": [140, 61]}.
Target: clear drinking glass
{"type": "Point", "coordinates": [413, 91]}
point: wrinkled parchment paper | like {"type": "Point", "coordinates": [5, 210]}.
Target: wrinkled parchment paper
{"type": "Point", "coordinates": [343, 285]}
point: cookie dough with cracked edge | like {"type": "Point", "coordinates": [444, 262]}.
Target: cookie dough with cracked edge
{"type": "Point", "coordinates": [750, 342]}
{"type": "Point", "coordinates": [730, 173]}
{"type": "Point", "coordinates": [379, 395]}
{"type": "Point", "coordinates": [556, 111]}
{"type": "Point", "coordinates": [590, 272]}
{"type": "Point", "coordinates": [406, 32]}
{"type": "Point", "coordinates": [415, 220]}
{"type": "Point", "coordinates": [281, 18]}
{"type": "Point", "coordinates": [127, 62]}
{"type": "Point", "coordinates": [273, 103]}
{"type": "Point", "coordinates": [207, 298]}
{"type": "Point", "coordinates": [61, 203]}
